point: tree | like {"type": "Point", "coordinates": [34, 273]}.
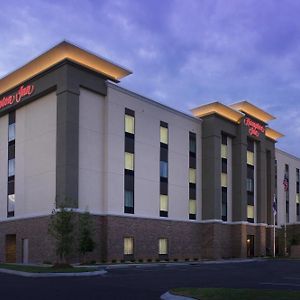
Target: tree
{"type": "Point", "coordinates": [85, 234]}
{"type": "Point", "coordinates": [61, 228]}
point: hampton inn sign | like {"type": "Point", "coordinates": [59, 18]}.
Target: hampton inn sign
{"type": "Point", "coordinates": [254, 128]}
{"type": "Point", "coordinates": [22, 93]}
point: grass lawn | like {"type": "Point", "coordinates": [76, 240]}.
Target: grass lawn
{"type": "Point", "coordinates": [41, 269]}
{"type": "Point", "coordinates": [236, 294]}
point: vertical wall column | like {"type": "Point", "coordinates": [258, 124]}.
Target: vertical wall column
{"type": "Point", "coordinates": [211, 184]}
{"type": "Point", "coordinates": [67, 148]}
{"type": "Point", "coordinates": [270, 156]}
{"type": "Point", "coordinates": [239, 175]}
{"type": "Point", "coordinates": [261, 172]}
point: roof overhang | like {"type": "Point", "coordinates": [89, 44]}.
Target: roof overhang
{"type": "Point", "coordinates": [58, 53]}
{"type": "Point", "coordinates": [273, 134]}
{"type": "Point", "coordinates": [220, 109]}
{"type": "Point", "coordinates": [254, 111]}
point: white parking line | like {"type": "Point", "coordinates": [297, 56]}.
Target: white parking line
{"type": "Point", "coordinates": [280, 283]}
{"type": "Point", "coordinates": [293, 278]}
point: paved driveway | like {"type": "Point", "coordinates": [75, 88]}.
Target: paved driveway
{"type": "Point", "coordinates": [150, 282]}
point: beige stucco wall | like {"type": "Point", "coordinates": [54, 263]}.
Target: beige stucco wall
{"type": "Point", "coordinates": [147, 150]}
{"type": "Point", "coordinates": [35, 157]}
{"type": "Point", "coordinates": [91, 151]}
{"type": "Point", "coordinates": [293, 162]}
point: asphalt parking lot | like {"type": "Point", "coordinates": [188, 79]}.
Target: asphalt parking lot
{"type": "Point", "coordinates": [144, 282]}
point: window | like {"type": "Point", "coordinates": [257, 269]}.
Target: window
{"type": "Point", "coordinates": [224, 165]}
{"type": "Point", "coordinates": [11, 164]}
{"type": "Point", "coordinates": [224, 179]}
{"type": "Point", "coordinates": [224, 139]}
{"type": "Point", "coordinates": [11, 205]}
{"type": "Point", "coordinates": [224, 203]}
{"type": "Point", "coordinates": [11, 132]}
{"type": "Point", "coordinates": [192, 175]}
{"type": "Point", "coordinates": [163, 246]}
{"type": "Point", "coordinates": [250, 145]}
{"type": "Point", "coordinates": [163, 205]}
{"type": "Point", "coordinates": [192, 147]}
{"type": "Point", "coordinates": [129, 161]}
{"type": "Point", "coordinates": [164, 169]}
{"type": "Point", "coordinates": [128, 199]}
{"type": "Point", "coordinates": [192, 207]}
{"type": "Point", "coordinates": [11, 167]}
{"type": "Point", "coordinates": [250, 185]}
{"type": "Point", "coordinates": [250, 211]}
{"type": "Point", "coordinates": [128, 246]}
{"type": "Point", "coordinates": [129, 124]}
{"type": "Point", "coordinates": [163, 135]}
{"type": "Point", "coordinates": [224, 151]}
{"type": "Point", "coordinates": [250, 158]}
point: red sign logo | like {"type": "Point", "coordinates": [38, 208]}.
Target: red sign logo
{"type": "Point", "coordinates": [17, 97]}
{"type": "Point", "coordinates": [254, 128]}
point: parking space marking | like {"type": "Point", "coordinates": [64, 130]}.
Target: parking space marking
{"type": "Point", "coordinates": [280, 283]}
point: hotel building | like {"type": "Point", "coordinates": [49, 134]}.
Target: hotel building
{"type": "Point", "coordinates": [159, 183]}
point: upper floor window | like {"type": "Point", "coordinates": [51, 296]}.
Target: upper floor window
{"type": "Point", "coordinates": [164, 169]}
{"type": "Point", "coordinates": [11, 132]}
{"type": "Point", "coordinates": [164, 135]}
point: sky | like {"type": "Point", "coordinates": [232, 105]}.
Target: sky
{"type": "Point", "coordinates": [183, 53]}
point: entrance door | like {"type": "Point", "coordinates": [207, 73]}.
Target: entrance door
{"type": "Point", "coordinates": [10, 248]}
{"type": "Point", "coordinates": [25, 251]}
{"type": "Point", "coordinates": [250, 245]}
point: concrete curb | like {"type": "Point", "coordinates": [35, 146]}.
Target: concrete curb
{"type": "Point", "coordinates": [169, 296]}
{"type": "Point", "coordinates": [43, 275]}
{"type": "Point", "coordinates": [173, 264]}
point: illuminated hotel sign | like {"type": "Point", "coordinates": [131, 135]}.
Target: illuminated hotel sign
{"type": "Point", "coordinates": [254, 128]}
{"type": "Point", "coordinates": [22, 93]}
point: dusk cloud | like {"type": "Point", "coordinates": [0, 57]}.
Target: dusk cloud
{"type": "Point", "coordinates": [182, 53]}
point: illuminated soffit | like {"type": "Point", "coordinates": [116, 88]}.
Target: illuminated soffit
{"type": "Point", "coordinates": [60, 52]}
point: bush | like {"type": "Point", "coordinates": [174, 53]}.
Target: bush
{"type": "Point", "coordinates": [196, 259]}
{"type": "Point", "coordinates": [187, 259]}
{"type": "Point", "coordinates": [149, 260]}
{"type": "Point", "coordinates": [85, 235]}
{"type": "Point", "coordinates": [113, 261]}
{"type": "Point", "coordinates": [141, 260]}
{"type": "Point", "coordinates": [175, 259]}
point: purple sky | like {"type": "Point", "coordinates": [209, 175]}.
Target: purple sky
{"type": "Point", "coordinates": [182, 53]}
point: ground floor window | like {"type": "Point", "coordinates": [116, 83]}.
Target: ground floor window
{"type": "Point", "coordinates": [163, 246]}
{"type": "Point", "coordinates": [128, 245]}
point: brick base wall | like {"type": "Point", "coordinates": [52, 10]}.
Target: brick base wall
{"type": "Point", "coordinates": [186, 240]}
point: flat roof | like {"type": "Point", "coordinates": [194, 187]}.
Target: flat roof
{"type": "Point", "coordinates": [236, 112]}
{"type": "Point", "coordinates": [254, 111]}
{"type": "Point", "coordinates": [217, 108]}
{"type": "Point", "coordinates": [58, 53]}
{"type": "Point", "coordinates": [273, 134]}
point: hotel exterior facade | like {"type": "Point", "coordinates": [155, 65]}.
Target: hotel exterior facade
{"type": "Point", "coordinates": [159, 183]}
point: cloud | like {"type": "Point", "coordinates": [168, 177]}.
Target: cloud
{"type": "Point", "coordinates": [182, 53]}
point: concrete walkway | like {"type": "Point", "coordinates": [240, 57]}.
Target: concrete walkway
{"type": "Point", "coordinates": [36, 275]}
